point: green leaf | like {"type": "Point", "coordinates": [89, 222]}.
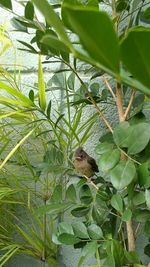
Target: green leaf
{"type": "Point", "coordinates": [123, 174]}
{"type": "Point", "coordinates": [132, 257]}
{"type": "Point", "coordinates": [80, 211]}
{"type": "Point", "coordinates": [96, 42]}
{"type": "Point", "coordinates": [138, 198]}
{"type": "Point", "coordinates": [80, 230]}
{"type": "Point", "coordinates": [54, 42]}
{"type": "Point", "coordinates": [147, 197]}
{"type": "Point", "coordinates": [57, 194]}
{"type": "Point", "coordinates": [53, 208]}
{"type": "Point", "coordinates": [142, 215]}
{"type": "Point", "coordinates": [68, 239]}
{"type": "Point", "coordinates": [28, 46]}
{"type": "Point", "coordinates": [17, 25]}
{"type": "Point", "coordinates": [85, 195]}
{"type": "Point", "coordinates": [71, 193]}
{"type": "Point", "coordinates": [6, 3]}
{"type": "Point", "coordinates": [64, 227]}
{"type": "Point", "coordinates": [143, 174]}
{"type": "Point", "coordinates": [29, 10]}
{"type": "Point", "coordinates": [147, 228]}
{"type": "Point", "coordinates": [41, 86]}
{"type": "Point", "coordinates": [88, 251]}
{"type": "Point", "coordinates": [140, 133]}
{"type": "Point", "coordinates": [147, 13]}
{"type": "Point", "coordinates": [127, 215]}
{"type": "Point", "coordinates": [95, 232]}
{"type": "Point", "coordinates": [103, 148]}
{"type": "Point", "coordinates": [14, 92]}
{"type": "Point", "coordinates": [117, 203]}
{"type": "Point", "coordinates": [136, 55]}
{"type": "Point", "coordinates": [147, 250]}
{"type": "Point", "coordinates": [109, 160]}
{"type": "Point", "coordinates": [122, 5]}
{"type": "Point", "coordinates": [52, 19]}
{"type": "Point", "coordinates": [121, 133]}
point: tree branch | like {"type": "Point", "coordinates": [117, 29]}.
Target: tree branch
{"type": "Point", "coordinates": [129, 105]}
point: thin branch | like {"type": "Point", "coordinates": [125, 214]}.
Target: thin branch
{"type": "Point", "coordinates": [129, 105]}
{"type": "Point", "coordinates": [130, 234]}
{"type": "Point", "coordinates": [119, 102]}
{"type": "Point", "coordinates": [89, 181]}
{"type": "Point", "coordinates": [109, 87]}
{"type": "Point", "coordinates": [101, 115]}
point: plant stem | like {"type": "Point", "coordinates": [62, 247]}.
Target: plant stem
{"type": "Point", "coordinates": [129, 105]}
{"type": "Point", "coordinates": [44, 236]}
{"type": "Point", "coordinates": [119, 103]}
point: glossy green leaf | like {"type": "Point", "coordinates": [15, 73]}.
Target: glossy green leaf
{"type": "Point", "coordinates": [123, 174]}
{"type": "Point", "coordinates": [138, 138]}
{"type": "Point", "coordinates": [88, 251]}
{"type": "Point", "coordinates": [54, 42]}
{"type": "Point", "coordinates": [28, 46]}
{"type": "Point", "coordinates": [52, 19]}
{"type": "Point", "coordinates": [147, 228]}
{"type": "Point", "coordinates": [41, 86]}
{"type": "Point", "coordinates": [147, 197]}
{"type": "Point", "coordinates": [29, 10]}
{"type": "Point", "coordinates": [57, 194]}
{"type": "Point", "coordinates": [80, 211]}
{"type": "Point", "coordinates": [142, 215]}
{"type": "Point", "coordinates": [68, 239]}
{"type": "Point", "coordinates": [53, 208]}
{"type": "Point", "coordinates": [80, 230]}
{"type": "Point", "coordinates": [117, 203]}
{"type": "Point", "coordinates": [6, 3]}
{"type": "Point", "coordinates": [85, 194]}
{"type": "Point", "coordinates": [103, 148]}
{"type": "Point", "coordinates": [121, 134]}
{"type": "Point", "coordinates": [135, 54]}
{"type": "Point", "coordinates": [71, 193]}
{"type": "Point", "coordinates": [95, 232]}
{"type": "Point", "coordinates": [147, 13]}
{"type": "Point", "coordinates": [138, 198]}
{"type": "Point", "coordinates": [109, 160]}
{"type": "Point", "coordinates": [132, 257]}
{"type": "Point", "coordinates": [96, 42]}
{"type": "Point", "coordinates": [147, 250]}
{"type": "Point", "coordinates": [127, 215]}
{"type": "Point", "coordinates": [143, 174]}
{"type": "Point", "coordinates": [64, 227]}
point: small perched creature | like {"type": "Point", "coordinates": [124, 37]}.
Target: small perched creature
{"type": "Point", "coordinates": [84, 164]}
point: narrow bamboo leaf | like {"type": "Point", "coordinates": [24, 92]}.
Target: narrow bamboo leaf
{"type": "Point", "coordinates": [15, 148]}
{"type": "Point", "coordinates": [136, 55]}
{"type": "Point", "coordinates": [53, 208]}
{"type": "Point", "coordinates": [16, 93]}
{"type": "Point", "coordinates": [29, 10]}
{"type": "Point", "coordinates": [123, 174]}
{"type": "Point", "coordinates": [52, 19]}
{"type": "Point", "coordinates": [117, 203]}
{"type": "Point", "coordinates": [96, 42]}
{"type": "Point", "coordinates": [41, 86]}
